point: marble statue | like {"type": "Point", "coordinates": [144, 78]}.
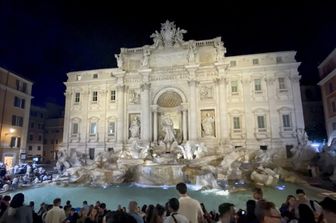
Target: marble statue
{"type": "Point", "coordinates": [264, 176]}
{"type": "Point", "coordinates": [119, 60]}
{"type": "Point", "coordinates": [191, 52]}
{"type": "Point", "coordinates": [220, 50]}
{"type": "Point", "coordinates": [145, 61]}
{"type": "Point", "coordinates": [231, 157]}
{"type": "Point", "coordinates": [187, 151]}
{"type": "Point", "coordinates": [62, 162]}
{"type": "Point", "coordinates": [179, 36]}
{"type": "Point", "coordinates": [135, 128]}
{"type": "Point", "coordinates": [134, 97]}
{"type": "Point", "coordinates": [208, 125]}
{"type": "Point", "coordinates": [157, 39]}
{"type": "Point", "coordinates": [302, 136]}
{"type": "Point", "coordinates": [200, 151]}
{"type": "Point", "coordinates": [168, 128]}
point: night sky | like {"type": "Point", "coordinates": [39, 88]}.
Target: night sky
{"type": "Point", "coordinates": [43, 40]}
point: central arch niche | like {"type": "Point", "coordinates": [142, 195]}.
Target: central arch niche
{"type": "Point", "coordinates": [169, 103]}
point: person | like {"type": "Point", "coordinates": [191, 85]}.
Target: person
{"type": "Point", "coordinates": [175, 217]}
{"type": "Point", "coordinates": [226, 213]}
{"type": "Point", "coordinates": [306, 215]}
{"type": "Point", "coordinates": [207, 125]}
{"type": "Point", "coordinates": [303, 199]}
{"type": "Point", "coordinates": [73, 216]}
{"type": "Point", "coordinates": [191, 52]}
{"type": "Point", "coordinates": [220, 51]}
{"type": "Point", "coordinates": [17, 212]}
{"type": "Point", "coordinates": [4, 203]}
{"type": "Point", "coordinates": [135, 128]}
{"type": "Point", "coordinates": [133, 208]}
{"type": "Point", "coordinates": [287, 209]}
{"type": "Point", "coordinates": [92, 216]}
{"type": "Point", "coordinates": [248, 216]}
{"type": "Point", "coordinates": [189, 207]}
{"type": "Point", "coordinates": [168, 128]}
{"type": "Point", "coordinates": [329, 209]}
{"type": "Point", "coordinates": [266, 212]}
{"type": "Point", "coordinates": [257, 194]}
{"type": "Point", "coordinates": [158, 214]}
{"type": "Point", "coordinates": [55, 214]}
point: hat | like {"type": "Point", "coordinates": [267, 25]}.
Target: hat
{"type": "Point", "coordinates": [328, 204]}
{"type": "Point", "coordinates": [224, 208]}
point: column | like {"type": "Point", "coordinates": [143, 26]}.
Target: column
{"type": "Point", "coordinates": [184, 123]}
{"type": "Point", "coordinates": [145, 112]}
{"type": "Point", "coordinates": [193, 102]}
{"type": "Point", "coordinates": [193, 111]}
{"type": "Point", "coordinates": [298, 112]}
{"type": "Point", "coordinates": [222, 101]}
{"type": "Point", "coordinates": [120, 109]}
{"type": "Point", "coordinates": [145, 109]}
{"type": "Point", "coordinates": [155, 124]}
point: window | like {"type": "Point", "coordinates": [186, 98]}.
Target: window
{"type": "Point", "coordinates": [31, 137]}
{"type": "Point", "coordinates": [233, 63]}
{"type": "Point", "coordinates": [234, 87]}
{"type": "Point", "coordinates": [255, 61]}
{"type": "Point", "coordinates": [79, 77]}
{"type": "Point", "coordinates": [93, 128]}
{"type": "Point", "coordinates": [279, 60]}
{"type": "Point", "coordinates": [39, 148]}
{"type": "Point", "coordinates": [39, 138]}
{"type": "Point", "coordinates": [333, 106]}
{"type": "Point", "coordinates": [30, 148]}
{"type": "Point", "coordinates": [331, 87]}
{"type": "Point", "coordinates": [15, 142]}
{"type": "Point", "coordinates": [257, 85]}
{"type": "Point", "coordinates": [282, 84]}
{"type": "Point", "coordinates": [74, 128]}
{"type": "Point", "coordinates": [21, 86]}
{"type": "Point", "coordinates": [236, 123]}
{"type": "Point", "coordinates": [263, 147]}
{"type": "Point", "coordinates": [286, 122]}
{"type": "Point", "coordinates": [44, 141]}
{"type": "Point", "coordinates": [77, 97]}
{"type": "Point", "coordinates": [111, 129]}
{"type": "Point", "coordinates": [32, 125]}
{"type": "Point", "coordinates": [19, 103]}
{"type": "Point", "coordinates": [261, 122]}
{"type": "Point", "coordinates": [95, 76]}
{"type": "Point", "coordinates": [334, 126]}
{"type": "Point", "coordinates": [113, 95]}
{"type": "Point", "coordinates": [17, 120]}
{"type": "Point", "coordinates": [94, 96]}
{"type": "Point", "coordinates": [91, 153]}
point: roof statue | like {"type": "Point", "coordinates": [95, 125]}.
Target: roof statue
{"type": "Point", "coordinates": [168, 36]}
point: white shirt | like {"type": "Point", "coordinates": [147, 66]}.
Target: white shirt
{"type": "Point", "coordinates": [179, 218]}
{"type": "Point", "coordinates": [55, 215]}
{"type": "Point", "coordinates": [190, 208]}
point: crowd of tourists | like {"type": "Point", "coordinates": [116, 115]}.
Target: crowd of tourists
{"type": "Point", "coordinates": [298, 208]}
{"type": "Point", "coordinates": [22, 175]}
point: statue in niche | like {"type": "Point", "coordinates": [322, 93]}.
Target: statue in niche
{"type": "Point", "coordinates": [135, 128]}
{"type": "Point", "coordinates": [119, 60]}
{"type": "Point", "coordinates": [208, 125]}
{"type": "Point", "coordinates": [168, 128]}
{"type": "Point", "coordinates": [220, 50]}
{"type": "Point", "coordinates": [145, 62]}
{"type": "Point", "coordinates": [192, 52]}
{"type": "Point", "coordinates": [134, 96]}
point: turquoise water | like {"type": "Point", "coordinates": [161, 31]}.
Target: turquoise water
{"type": "Point", "coordinates": [122, 194]}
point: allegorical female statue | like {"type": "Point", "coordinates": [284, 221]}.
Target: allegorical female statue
{"type": "Point", "coordinates": [135, 128]}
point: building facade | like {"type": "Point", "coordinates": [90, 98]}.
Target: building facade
{"type": "Point", "coordinates": [36, 133]}
{"type": "Point", "coordinates": [327, 71]}
{"type": "Point", "coordinates": [53, 134]}
{"type": "Point", "coordinates": [313, 108]}
{"type": "Point", "coordinates": [250, 101]}
{"type": "Point", "coordinates": [15, 99]}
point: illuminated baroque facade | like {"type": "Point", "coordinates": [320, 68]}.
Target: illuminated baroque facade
{"type": "Point", "coordinates": [250, 101]}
